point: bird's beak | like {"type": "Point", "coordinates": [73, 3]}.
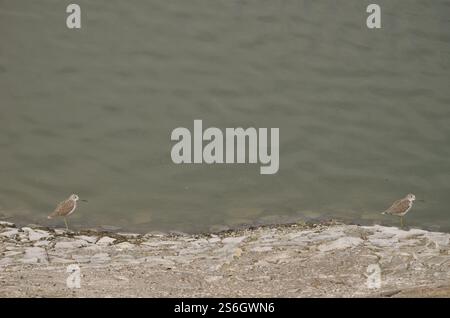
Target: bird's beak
{"type": "Point", "coordinates": [84, 200]}
{"type": "Point", "coordinates": [420, 200]}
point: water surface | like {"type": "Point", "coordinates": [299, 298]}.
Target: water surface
{"type": "Point", "coordinates": [364, 115]}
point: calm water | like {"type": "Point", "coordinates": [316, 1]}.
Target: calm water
{"type": "Point", "coordinates": [364, 115]}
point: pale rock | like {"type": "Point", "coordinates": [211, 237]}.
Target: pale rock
{"type": "Point", "coordinates": [383, 242]}
{"type": "Point", "coordinates": [82, 258]}
{"type": "Point", "coordinates": [126, 259]}
{"type": "Point", "coordinates": [35, 255]}
{"type": "Point", "coordinates": [153, 260]}
{"type": "Point", "coordinates": [32, 260]}
{"type": "Point", "coordinates": [211, 279]}
{"type": "Point", "coordinates": [12, 253]}
{"type": "Point", "coordinates": [439, 239]}
{"type": "Point", "coordinates": [234, 240]}
{"type": "Point", "coordinates": [214, 240]}
{"type": "Point", "coordinates": [89, 239]}
{"type": "Point", "coordinates": [237, 253]}
{"type": "Point", "coordinates": [7, 224]}
{"type": "Point", "coordinates": [71, 244]}
{"type": "Point", "coordinates": [260, 249]}
{"type": "Point", "coordinates": [129, 235]}
{"type": "Point", "coordinates": [278, 258]}
{"type": "Point", "coordinates": [10, 233]}
{"type": "Point", "coordinates": [61, 260]}
{"type": "Point", "coordinates": [124, 246]}
{"type": "Point", "coordinates": [100, 258]}
{"type": "Point", "coordinates": [93, 248]}
{"type": "Point", "coordinates": [105, 241]}
{"type": "Point", "coordinates": [119, 277]}
{"type": "Point", "coordinates": [35, 235]}
{"type": "Point", "coordinates": [6, 261]}
{"type": "Point", "coordinates": [341, 243]}
{"type": "Point", "coordinates": [41, 243]}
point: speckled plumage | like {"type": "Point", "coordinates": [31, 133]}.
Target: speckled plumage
{"type": "Point", "coordinates": [64, 208]}
{"type": "Point", "coordinates": [401, 207]}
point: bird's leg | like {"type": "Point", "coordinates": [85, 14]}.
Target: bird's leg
{"type": "Point", "coordinates": [401, 221]}
{"type": "Point", "coordinates": [65, 221]}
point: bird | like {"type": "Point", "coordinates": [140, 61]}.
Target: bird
{"type": "Point", "coordinates": [401, 207]}
{"type": "Point", "coordinates": [66, 208]}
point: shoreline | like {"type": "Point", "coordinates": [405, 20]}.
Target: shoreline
{"type": "Point", "coordinates": [288, 260]}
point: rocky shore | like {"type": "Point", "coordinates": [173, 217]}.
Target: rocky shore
{"type": "Point", "coordinates": [320, 260]}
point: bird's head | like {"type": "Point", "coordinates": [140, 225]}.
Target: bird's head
{"type": "Point", "coordinates": [411, 197]}
{"type": "Point", "coordinates": [74, 197]}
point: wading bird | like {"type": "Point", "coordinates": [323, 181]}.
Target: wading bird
{"type": "Point", "coordinates": [401, 207]}
{"type": "Point", "coordinates": [66, 208]}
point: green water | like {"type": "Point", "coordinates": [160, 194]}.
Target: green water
{"type": "Point", "coordinates": [364, 115]}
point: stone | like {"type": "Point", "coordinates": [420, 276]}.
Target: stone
{"type": "Point", "coordinates": [12, 253]}
{"type": "Point", "coordinates": [100, 258]}
{"type": "Point", "coordinates": [234, 240]}
{"type": "Point", "coordinates": [71, 244]}
{"type": "Point", "coordinates": [120, 277]}
{"type": "Point", "coordinates": [105, 241]}
{"type": "Point", "coordinates": [35, 235]}
{"type": "Point", "coordinates": [42, 243]}
{"type": "Point", "coordinates": [211, 279]}
{"type": "Point", "coordinates": [341, 243]}
{"type": "Point", "coordinates": [124, 246]}
{"type": "Point", "coordinates": [10, 233]}
{"type": "Point", "coordinates": [61, 260]}
{"type": "Point", "coordinates": [153, 260]}
{"type": "Point", "coordinates": [260, 249]}
{"type": "Point", "coordinates": [89, 239]}
{"type": "Point", "coordinates": [6, 261]}
{"type": "Point", "coordinates": [7, 224]}
{"type": "Point", "coordinates": [129, 235]}
{"type": "Point", "coordinates": [35, 255]}
{"type": "Point", "coordinates": [82, 258]}
{"type": "Point", "coordinates": [237, 253]}
{"type": "Point", "coordinates": [214, 240]}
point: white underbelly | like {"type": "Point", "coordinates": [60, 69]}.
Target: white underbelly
{"type": "Point", "coordinates": [74, 207]}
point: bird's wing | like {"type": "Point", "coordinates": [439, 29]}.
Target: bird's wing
{"type": "Point", "coordinates": [63, 208]}
{"type": "Point", "coordinates": [398, 206]}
